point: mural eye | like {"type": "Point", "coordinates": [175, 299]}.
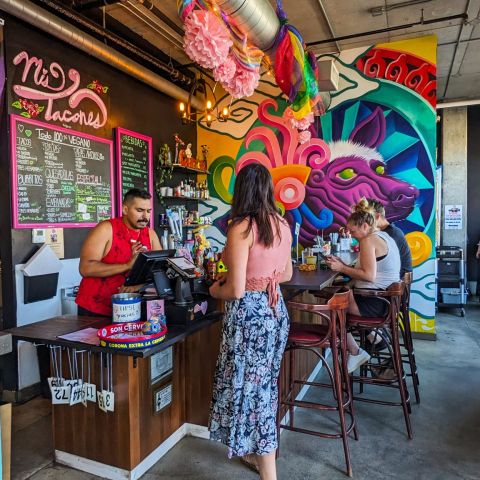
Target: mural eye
{"type": "Point", "coordinates": [347, 174]}
{"type": "Point", "coordinates": [380, 169]}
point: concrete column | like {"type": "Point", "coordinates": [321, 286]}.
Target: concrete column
{"type": "Point", "coordinates": [454, 155]}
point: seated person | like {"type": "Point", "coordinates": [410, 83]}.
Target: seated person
{"type": "Point", "coordinates": [405, 255]}
{"type": "Point", "coordinates": [378, 266]}
{"type": "Point", "coordinates": [385, 226]}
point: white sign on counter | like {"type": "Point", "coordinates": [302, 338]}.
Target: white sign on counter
{"type": "Point", "coordinates": [161, 365]}
{"type": "Point", "coordinates": [162, 398]}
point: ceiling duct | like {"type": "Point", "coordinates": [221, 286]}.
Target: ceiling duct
{"type": "Point", "coordinates": [55, 26]}
{"type": "Point", "coordinates": [255, 18]}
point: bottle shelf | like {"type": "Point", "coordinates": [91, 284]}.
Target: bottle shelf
{"type": "Point", "coordinates": [189, 225]}
{"type": "Point", "coordinates": [183, 198]}
{"type": "Point", "coordinates": [188, 169]}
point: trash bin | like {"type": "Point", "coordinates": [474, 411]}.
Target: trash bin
{"type": "Point", "coordinates": [68, 300]}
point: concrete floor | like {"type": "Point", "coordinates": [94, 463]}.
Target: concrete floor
{"type": "Point", "coordinates": [446, 425]}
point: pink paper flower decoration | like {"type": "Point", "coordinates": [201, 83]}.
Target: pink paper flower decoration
{"type": "Point", "coordinates": [304, 136]}
{"type": "Point", "coordinates": [243, 83]}
{"type": "Point", "coordinates": [305, 122]}
{"type": "Point", "coordinates": [206, 39]}
{"type": "Point", "coordinates": [224, 72]}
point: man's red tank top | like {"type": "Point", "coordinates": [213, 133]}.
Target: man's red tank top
{"type": "Point", "coordinates": [95, 293]}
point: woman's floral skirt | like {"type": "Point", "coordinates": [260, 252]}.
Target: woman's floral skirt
{"type": "Point", "coordinates": [243, 414]}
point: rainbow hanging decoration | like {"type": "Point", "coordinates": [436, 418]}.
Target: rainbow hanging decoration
{"type": "Point", "coordinates": [296, 70]}
{"type": "Point", "coordinates": [213, 41]}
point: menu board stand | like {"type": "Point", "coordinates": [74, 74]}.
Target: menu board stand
{"type": "Point", "coordinates": [60, 177]}
{"type": "Point", "coordinates": [134, 158]}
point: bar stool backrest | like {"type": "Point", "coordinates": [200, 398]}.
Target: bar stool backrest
{"type": "Point", "coordinates": [334, 312]}
{"type": "Point", "coordinates": [407, 280]}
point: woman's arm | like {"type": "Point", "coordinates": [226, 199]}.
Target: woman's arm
{"type": "Point", "coordinates": [232, 285]}
{"type": "Point", "coordinates": [368, 263]}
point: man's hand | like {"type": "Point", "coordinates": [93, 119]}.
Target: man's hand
{"type": "Point", "coordinates": [130, 289]}
{"type": "Point", "coordinates": [137, 248]}
{"type": "Point", "coordinates": [478, 253]}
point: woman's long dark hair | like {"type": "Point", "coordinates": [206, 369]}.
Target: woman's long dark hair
{"type": "Point", "coordinates": [253, 199]}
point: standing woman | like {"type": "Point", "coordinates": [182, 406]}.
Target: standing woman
{"type": "Point", "coordinates": [255, 329]}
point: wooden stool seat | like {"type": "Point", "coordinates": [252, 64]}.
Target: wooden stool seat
{"type": "Point", "coordinates": [308, 335]}
{"type": "Point", "coordinates": [366, 322]}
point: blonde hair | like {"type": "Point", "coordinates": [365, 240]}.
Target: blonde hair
{"type": "Point", "coordinates": [362, 212]}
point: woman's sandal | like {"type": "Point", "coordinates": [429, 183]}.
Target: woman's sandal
{"type": "Point", "coordinates": [247, 461]}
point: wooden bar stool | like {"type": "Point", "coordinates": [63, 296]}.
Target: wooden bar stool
{"type": "Point", "coordinates": [407, 335]}
{"type": "Point", "coordinates": [314, 338]}
{"type": "Point", "coordinates": [408, 356]}
{"type": "Point", "coordinates": [393, 298]}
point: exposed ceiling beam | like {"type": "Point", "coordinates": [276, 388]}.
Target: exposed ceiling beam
{"type": "Point", "coordinates": [458, 103]}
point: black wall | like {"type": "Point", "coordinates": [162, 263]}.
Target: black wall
{"type": "Point", "coordinates": [130, 104]}
{"type": "Point", "coordinates": [473, 200]}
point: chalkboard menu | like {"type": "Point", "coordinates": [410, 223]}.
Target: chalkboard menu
{"type": "Point", "coordinates": [60, 177]}
{"type": "Point", "coordinates": [134, 162]}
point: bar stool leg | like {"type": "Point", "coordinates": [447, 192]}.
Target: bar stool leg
{"type": "Point", "coordinates": [348, 382]}
{"type": "Point", "coordinates": [411, 355]}
{"type": "Point", "coordinates": [338, 389]}
{"type": "Point", "coordinates": [363, 368]}
{"type": "Point", "coordinates": [291, 382]}
{"type": "Point", "coordinates": [397, 360]}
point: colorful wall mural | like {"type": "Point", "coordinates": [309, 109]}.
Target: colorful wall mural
{"type": "Point", "coordinates": [376, 139]}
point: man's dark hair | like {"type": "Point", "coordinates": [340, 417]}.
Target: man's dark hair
{"type": "Point", "coordinates": [136, 193]}
{"type": "Point", "coordinates": [377, 206]}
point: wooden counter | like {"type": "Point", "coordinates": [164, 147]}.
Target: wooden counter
{"type": "Point", "coordinates": [127, 442]}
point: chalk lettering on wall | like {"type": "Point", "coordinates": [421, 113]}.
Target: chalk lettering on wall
{"type": "Point", "coordinates": [52, 85]}
{"type": "Point", "coordinates": [59, 177]}
{"type": "Point", "coordinates": [134, 162]}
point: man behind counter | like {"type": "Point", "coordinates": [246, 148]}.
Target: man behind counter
{"type": "Point", "coordinates": [109, 252]}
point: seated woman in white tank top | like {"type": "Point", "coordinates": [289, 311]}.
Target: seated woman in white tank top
{"type": "Point", "coordinates": [378, 266]}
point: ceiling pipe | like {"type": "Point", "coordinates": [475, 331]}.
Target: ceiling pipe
{"type": "Point", "coordinates": [447, 83]}
{"type": "Point", "coordinates": [55, 26]}
{"type": "Point", "coordinates": [148, 18]}
{"type": "Point", "coordinates": [158, 13]}
{"type": "Point", "coordinates": [255, 18]}
{"type": "Point", "coordinates": [380, 10]}
{"type": "Point", "coordinates": [107, 35]}
{"type": "Point", "coordinates": [459, 16]}
{"type": "Point", "coordinates": [88, 5]}
{"type": "Point", "coordinates": [329, 25]}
